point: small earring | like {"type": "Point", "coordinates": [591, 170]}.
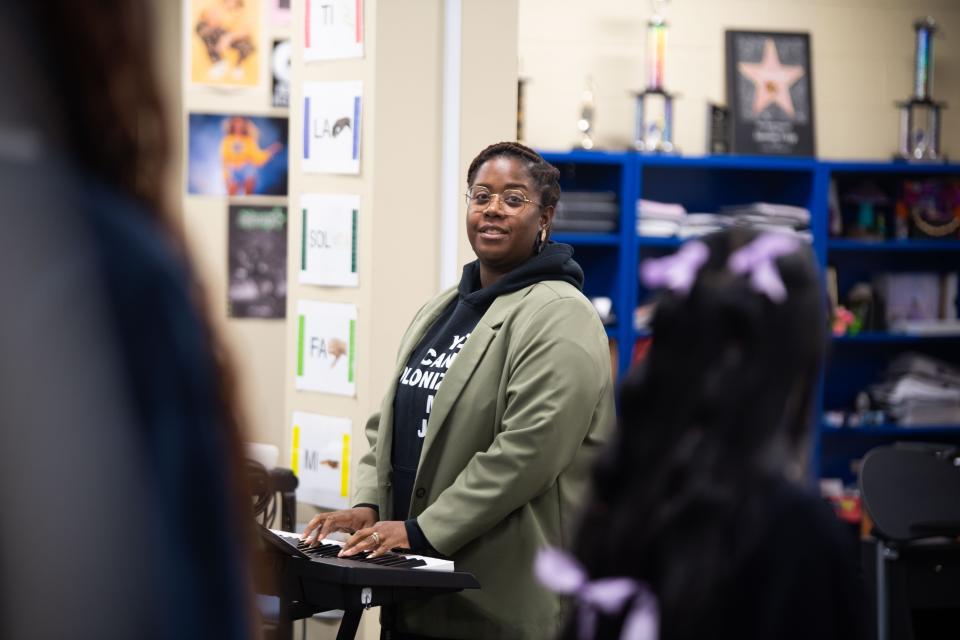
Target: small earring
{"type": "Point", "coordinates": [543, 239]}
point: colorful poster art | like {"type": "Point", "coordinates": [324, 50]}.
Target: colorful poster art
{"type": "Point", "coordinates": [333, 29]}
{"type": "Point", "coordinates": [225, 42]}
{"type": "Point", "coordinates": [320, 458]}
{"type": "Point", "coordinates": [331, 127]}
{"type": "Point", "coordinates": [257, 263]}
{"type": "Point", "coordinates": [328, 240]}
{"type": "Point", "coordinates": [280, 13]}
{"type": "Point", "coordinates": [280, 69]}
{"type": "Point", "coordinates": [326, 347]}
{"type": "Point", "coordinates": [237, 155]}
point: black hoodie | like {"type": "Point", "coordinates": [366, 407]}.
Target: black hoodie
{"type": "Point", "coordinates": [438, 349]}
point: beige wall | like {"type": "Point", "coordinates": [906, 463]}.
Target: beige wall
{"type": "Point", "coordinates": [256, 346]}
{"type": "Point", "coordinates": [399, 184]}
{"type": "Point", "coordinates": [862, 63]}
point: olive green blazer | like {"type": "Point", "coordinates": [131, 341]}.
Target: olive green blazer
{"type": "Point", "coordinates": [504, 470]}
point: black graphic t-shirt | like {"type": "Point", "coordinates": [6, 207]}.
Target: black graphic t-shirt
{"type": "Point", "coordinates": [416, 390]}
{"type": "Point", "coordinates": [438, 350]}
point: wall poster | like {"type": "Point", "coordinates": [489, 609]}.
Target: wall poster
{"type": "Point", "coordinates": [320, 458]}
{"type": "Point", "coordinates": [280, 13]}
{"type": "Point", "coordinates": [236, 155]}
{"type": "Point", "coordinates": [770, 93]}
{"type": "Point", "coordinates": [326, 347]}
{"type": "Point", "coordinates": [331, 127]}
{"type": "Point", "coordinates": [333, 29]}
{"type": "Point", "coordinates": [225, 42]}
{"type": "Point", "coordinates": [257, 263]}
{"type": "Point", "coordinates": [328, 240]}
{"type": "Point", "coordinates": [280, 70]}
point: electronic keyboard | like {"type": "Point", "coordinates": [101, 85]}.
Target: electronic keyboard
{"type": "Point", "coordinates": [329, 548]}
{"type": "Point", "coordinates": [309, 579]}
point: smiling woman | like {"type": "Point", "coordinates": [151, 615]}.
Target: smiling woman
{"type": "Point", "coordinates": [489, 461]}
{"type": "Point", "coordinates": [503, 223]}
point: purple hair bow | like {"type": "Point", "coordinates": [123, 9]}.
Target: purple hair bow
{"type": "Point", "coordinates": [675, 272]}
{"type": "Point", "coordinates": [561, 573]}
{"type": "Point", "coordinates": [758, 259]}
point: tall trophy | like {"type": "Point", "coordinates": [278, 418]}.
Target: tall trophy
{"type": "Point", "coordinates": [653, 129]}
{"type": "Point", "coordinates": [585, 122]}
{"type": "Point", "coordinates": [920, 115]}
{"type": "Point", "coordinates": [520, 87]}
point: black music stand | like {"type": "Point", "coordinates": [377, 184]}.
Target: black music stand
{"type": "Point", "coordinates": [912, 566]}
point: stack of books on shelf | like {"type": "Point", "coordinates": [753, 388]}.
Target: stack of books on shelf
{"type": "Point", "coordinates": [666, 219]}
{"type": "Point", "coordinates": [920, 391]}
{"type": "Point", "coordinates": [701, 224]}
{"type": "Point", "coordinates": [587, 212]}
{"type": "Point", "coordinates": [659, 219]}
{"type": "Point", "coordinates": [773, 217]}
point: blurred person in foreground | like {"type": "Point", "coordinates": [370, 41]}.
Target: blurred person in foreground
{"type": "Point", "coordinates": [118, 440]}
{"type": "Point", "coordinates": [701, 524]}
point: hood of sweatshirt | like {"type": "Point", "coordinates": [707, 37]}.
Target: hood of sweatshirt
{"type": "Point", "coordinates": [555, 262]}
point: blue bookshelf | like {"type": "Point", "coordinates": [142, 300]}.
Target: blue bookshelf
{"type": "Point", "coordinates": [663, 243]}
{"type": "Point", "coordinates": [588, 239]}
{"type": "Point", "coordinates": [911, 246]}
{"type": "Point", "coordinates": [885, 337]}
{"type": "Point", "coordinates": [858, 361]}
{"type": "Point", "coordinates": [707, 183]}
{"type": "Point", "coordinates": [886, 430]}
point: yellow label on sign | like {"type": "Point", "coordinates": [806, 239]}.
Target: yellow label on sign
{"type": "Point", "coordinates": [345, 467]}
{"type": "Point", "coordinates": [295, 451]}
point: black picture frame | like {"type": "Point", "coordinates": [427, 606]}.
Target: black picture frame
{"type": "Point", "coordinates": [779, 121]}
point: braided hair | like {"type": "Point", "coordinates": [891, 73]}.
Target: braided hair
{"type": "Point", "coordinates": [545, 175]}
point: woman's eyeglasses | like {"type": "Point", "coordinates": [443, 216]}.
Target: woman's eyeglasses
{"type": "Point", "coordinates": [512, 201]}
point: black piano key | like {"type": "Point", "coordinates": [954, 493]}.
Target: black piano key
{"type": "Point", "coordinates": [303, 546]}
{"type": "Point", "coordinates": [408, 563]}
{"type": "Point", "coordinates": [324, 550]}
{"type": "Point", "coordinates": [398, 564]}
{"type": "Point", "coordinates": [381, 559]}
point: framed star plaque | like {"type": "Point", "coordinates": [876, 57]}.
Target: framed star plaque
{"type": "Point", "coordinates": [770, 93]}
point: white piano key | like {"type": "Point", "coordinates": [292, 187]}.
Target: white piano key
{"type": "Point", "coordinates": [432, 564]}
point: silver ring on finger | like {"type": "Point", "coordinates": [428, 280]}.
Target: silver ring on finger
{"type": "Point", "coordinates": [376, 538]}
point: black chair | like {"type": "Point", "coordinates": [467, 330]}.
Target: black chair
{"type": "Point", "coordinates": [912, 564]}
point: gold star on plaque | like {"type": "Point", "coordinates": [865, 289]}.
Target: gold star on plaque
{"type": "Point", "coordinates": [771, 80]}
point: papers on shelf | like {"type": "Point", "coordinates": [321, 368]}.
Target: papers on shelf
{"type": "Point", "coordinates": [927, 327]}
{"type": "Point", "coordinates": [666, 219]}
{"type": "Point", "coordinates": [587, 211]}
{"type": "Point", "coordinates": [660, 210]}
{"type": "Point", "coordinates": [769, 211]}
{"type": "Point", "coordinates": [920, 390]}
{"type": "Point", "coordinates": [657, 228]}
